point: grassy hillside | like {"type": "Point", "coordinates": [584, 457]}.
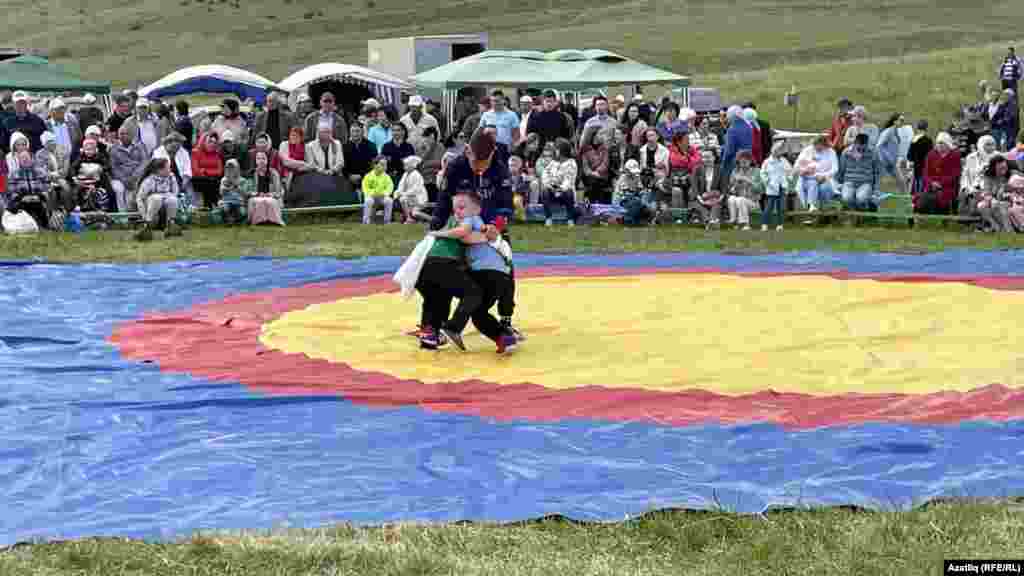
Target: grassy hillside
{"type": "Point", "coordinates": [760, 47]}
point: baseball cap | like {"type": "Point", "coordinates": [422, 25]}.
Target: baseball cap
{"type": "Point", "coordinates": [88, 99]}
{"type": "Point", "coordinates": [526, 100]}
{"type": "Point", "coordinates": [57, 103]}
{"type": "Point", "coordinates": [416, 100]}
{"type": "Point", "coordinates": [304, 97]}
{"type": "Point", "coordinates": [227, 136]}
{"type": "Point", "coordinates": [632, 166]}
{"type": "Point", "coordinates": [21, 96]}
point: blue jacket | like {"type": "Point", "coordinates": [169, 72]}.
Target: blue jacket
{"type": "Point", "coordinates": [494, 186]}
{"type": "Point", "coordinates": [739, 137]}
{"type": "Point", "coordinates": [889, 146]}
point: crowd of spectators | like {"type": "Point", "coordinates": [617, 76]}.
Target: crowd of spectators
{"type": "Point", "coordinates": [615, 161]}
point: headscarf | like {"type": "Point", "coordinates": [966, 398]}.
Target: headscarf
{"type": "Point", "coordinates": [984, 157]}
{"type": "Point", "coordinates": [734, 113]}
{"type": "Point", "coordinates": [750, 115]}
{"type": "Point", "coordinates": [412, 162]}
{"type": "Point", "coordinates": [14, 139]}
{"type": "Point", "coordinates": [945, 138]}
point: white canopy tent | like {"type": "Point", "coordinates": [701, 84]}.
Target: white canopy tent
{"type": "Point", "coordinates": [359, 82]}
{"type": "Point", "coordinates": [214, 79]}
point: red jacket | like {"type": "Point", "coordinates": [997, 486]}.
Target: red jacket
{"type": "Point", "coordinates": [687, 160]}
{"type": "Point", "coordinates": [837, 134]}
{"type": "Point", "coordinates": [757, 146]}
{"type": "Point", "coordinates": [206, 164]}
{"type": "Point", "coordinates": [944, 170]}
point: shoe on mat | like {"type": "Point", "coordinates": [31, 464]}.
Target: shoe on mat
{"type": "Point", "coordinates": [429, 340]}
{"type": "Point", "coordinates": [454, 337]}
{"type": "Point", "coordinates": [507, 343]}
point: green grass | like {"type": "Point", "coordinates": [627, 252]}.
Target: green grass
{"type": "Point", "coordinates": [826, 542]}
{"type": "Point", "coordinates": [351, 240]}
{"type": "Point", "coordinates": [918, 56]}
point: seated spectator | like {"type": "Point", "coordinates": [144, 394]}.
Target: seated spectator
{"type": "Point", "coordinates": [89, 114]}
{"type": "Point", "coordinates": [377, 190]}
{"type": "Point", "coordinates": [686, 167]}
{"type": "Point", "coordinates": [1015, 211]}
{"type": "Point", "coordinates": [416, 121]}
{"type": "Point", "coordinates": [64, 127]}
{"type": "Point", "coordinates": [1017, 154]}
{"type": "Point", "coordinates": [379, 132]}
{"type": "Point", "coordinates": [19, 142]}
{"type": "Point", "coordinates": [122, 112]}
{"type": "Point", "coordinates": [411, 192]}
{"type": "Point", "coordinates": [267, 194]}
{"type": "Point", "coordinates": [709, 204]}
{"type": "Point", "coordinates": [859, 175]}
{"type": "Point", "coordinates": [230, 120]}
{"type": "Point", "coordinates": [96, 133]}
{"type": "Point", "coordinates": [994, 199]}
{"type": "Point", "coordinates": [739, 136]}
{"type": "Point", "coordinates": [397, 151]}
{"type": "Point", "coordinates": [551, 123]}
{"type": "Point", "coordinates": [128, 160]}
{"type": "Point", "coordinates": [28, 189]}
{"type": "Point", "coordinates": [207, 169]}
{"type": "Point", "coordinates": [181, 168]}
{"type": "Point", "coordinates": [90, 181]}
{"type": "Point", "coordinates": [559, 183]}
{"type": "Point", "coordinates": [433, 157]}
{"type": "Point", "coordinates": [262, 143]}
{"type": "Point", "coordinates": [359, 154]}
{"type": "Point", "coordinates": [293, 157]}
{"type": "Point", "coordinates": [230, 149]}
{"type": "Point", "coordinates": [521, 189]}
{"type": "Point", "coordinates": [234, 194]}
{"type": "Point", "coordinates": [745, 190]}
{"type": "Point", "coordinates": [158, 200]}
{"type": "Point", "coordinates": [816, 165]}
{"type": "Point", "coordinates": [654, 160]}
{"type": "Point", "coordinates": [972, 180]}
{"type": "Point", "coordinates": [594, 163]}
{"type": "Point", "coordinates": [638, 205]}
{"type": "Point", "coordinates": [941, 178]}
{"type": "Point", "coordinates": [52, 160]}
{"type": "Point", "coordinates": [326, 154]}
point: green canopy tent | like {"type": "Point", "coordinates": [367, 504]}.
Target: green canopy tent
{"type": "Point", "coordinates": [568, 70]}
{"type": "Point", "coordinates": [39, 75]}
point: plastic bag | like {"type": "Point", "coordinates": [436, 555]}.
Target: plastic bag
{"type": "Point", "coordinates": [409, 272]}
{"type": "Point", "coordinates": [20, 223]}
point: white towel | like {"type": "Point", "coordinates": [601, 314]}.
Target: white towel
{"type": "Point", "coordinates": [409, 272]}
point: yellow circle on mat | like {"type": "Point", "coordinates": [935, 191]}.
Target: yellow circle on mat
{"type": "Point", "coordinates": [716, 332]}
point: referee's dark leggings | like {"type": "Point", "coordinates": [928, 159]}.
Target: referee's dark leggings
{"type": "Point", "coordinates": [507, 298]}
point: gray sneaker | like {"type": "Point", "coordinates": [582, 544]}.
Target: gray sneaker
{"type": "Point", "coordinates": [454, 337]}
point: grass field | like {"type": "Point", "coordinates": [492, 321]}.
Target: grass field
{"type": "Point", "coordinates": [918, 56]}
{"type": "Point", "coordinates": [848, 542]}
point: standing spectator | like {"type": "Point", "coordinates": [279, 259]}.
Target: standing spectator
{"type": "Point", "coordinates": [918, 152]}
{"type": "Point", "coordinates": [89, 114]}
{"type": "Point", "coordinates": [173, 149]}
{"type": "Point", "coordinates": [416, 121]}
{"type": "Point", "coordinates": [767, 136]}
{"type": "Point", "coordinates": [559, 183]}
{"type": "Point", "coordinates": [840, 124]}
{"type": "Point", "coordinates": [267, 194]}
{"type": "Point", "coordinates": [466, 107]}
{"type": "Point", "coordinates": [377, 190]}
{"type": "Point", "coordinates": [128, 160]}
{"type": "Point", "coordinates": [602, 117]}
{"type": "Point", "coordinates": [859, 174]}
{"type": "Point", "coordinates": [889, 145]}
{"type": "Point", "coordinates": [550, 123]}
{"type": "Point", "coordinates": [526, 107]}
{"type": "Point", "coordinates": [505, 122]}
{"type": "Point", "coordinates": [433, 157]}
{"type": "Point", "coordinates": [145, 127]}
{"type": "Point", "coordinates": [941, 178]}
{"type": "Point", "coordinates": [1006, 119]}
{"type": "Point", "coordinates": [325, 153]}
{"type": "Point", "coordinates": [23, 121]}
{"type": "Point", "coordinates": [472, 122]}
{"type": "Point", "coordinates": [775, 173]}
{"type": "Point", "coordinates": [183, 124]}
{"type": "Point", "coordinates": [739, 136]}
{"type": "Point", "coordinates": [359, 155]}
{"type": "Point", "coordinates": [328, 114]}
{"type": "Point", "coordinates": [208, 169]}
{"type": "Point", "coordinates": [163, 113]}
{"type": "Point", "coordinates": [434, 109]}
{"type": "Point", "coordinates": [122, 112]}
{"type": "Point", "coordinates": [293, 156]}
{"type": "Point", "coordinates": [636, 125]}
{"type": "Point", "coordinates": [1010, 70]}
{"type": "Point", "coordinates": [231, 120]}
{"type": "Point", "coordinates": [594, 164]}
{"type": "Point", "coordinates": [757, 149]}
{"type": "Point", "coordinates": [275, 122]}
{"type": "Point", "coordinates": [397, 151]}
{"type": "Point", "coordinates": [669, 121]}
{"type": "Point", "coordinates": [66, 130]}
{"type": "Point", "coordinates": [646, 110]}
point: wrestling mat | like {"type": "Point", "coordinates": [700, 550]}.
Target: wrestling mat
{"type": "Point", "coordinates": [158, 400]}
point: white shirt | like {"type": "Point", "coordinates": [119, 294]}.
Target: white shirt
{"type": "Point", "coordinates": [416, 129]}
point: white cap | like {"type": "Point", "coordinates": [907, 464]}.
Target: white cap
{"type": "Point", "coordinates": [21, 96]}
{"type": "Point", "coordinates": [620, 98]}
{"type": "Point", "coordinates": [227, 136]}
{"type": "Point", "coordinates": [88, 99]}
{"type": "Point", "coordinates": [304, 97]}
{"type": "Point", "coordinates": [142, 103]}
{"type": "Point", "coordinates": [57, 103]}
{"type": "Point", "coordinates": [93, 130]}
{"type": "Point", "coordinates": [371, 102]}
{"type": "Point", "coordinates": [525, 100]}
{"type": "Point", "coordinates": [632, 166]}
{"type": "Point", "coordinates": [416, 100]}
{"type": "Point", "coordinates": [412, 162]}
